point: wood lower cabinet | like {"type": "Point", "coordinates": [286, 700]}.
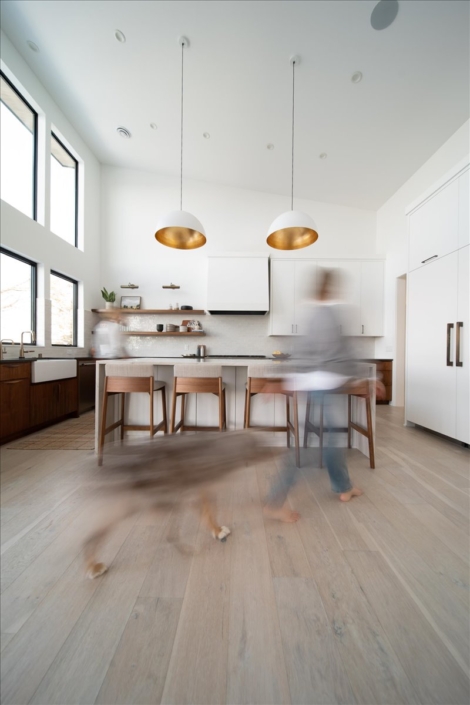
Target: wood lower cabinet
{"type": "Point", "coordinates": [14, 398]}
{"type": "Point", "coordinates": [52, 400]}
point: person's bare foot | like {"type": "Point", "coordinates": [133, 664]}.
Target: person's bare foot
{"type": "Point", "coordinates": [284, 513]}
{"type": "Point", "coordinates": [353, 492]}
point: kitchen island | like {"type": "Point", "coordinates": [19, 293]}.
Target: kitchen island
{"type": "Point", "coordinates": [202, 409]}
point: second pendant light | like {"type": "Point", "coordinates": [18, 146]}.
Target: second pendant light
{"type": "Point", "coordinates": [180, 229]}
{"type": "Point", "coordinates": [292, 230]}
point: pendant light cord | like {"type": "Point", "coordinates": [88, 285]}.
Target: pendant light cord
{"type": "Point", "coordinates": [293, 96]}
{"type": "Point", "coordinates": [181, 163]}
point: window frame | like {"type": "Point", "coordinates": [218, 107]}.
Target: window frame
{"type": "Point", "coordinates": [35, 139]}
{"type": "Point", "coordinates": [34, 289]}
{"type": "Point", "coordinates": [75, 310]}
{"type": "Point", "coordinates": [54, 136]}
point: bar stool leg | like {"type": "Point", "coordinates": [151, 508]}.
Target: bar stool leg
{"type": "Point", "coordinates": [123, 411]}
{"type": "Point", "coordinates": [321, 432]}
{"type": "Point", "coordinates": [104, 411]}
{"type": "Point", "coordinates": [369, 433]}
{"type": "Point", "coordinates": [307, 420]}
{"type": "Point", "coordinates": [173, 408]}
{"type": "Point", "coordinates": [349, 419]}
{"type": "Point", "coordinates": [183, 411]}
{"type": "Point", "coordinates": [296, 429]}
{"type": "Point", "coordinates": [224, 410]}
{"type": "Point", "coordinates": [165, 419]}
{"type": "Point", "coordinates": [221, 401]}
{"type": "Point", "coordinates": [288, 420]}
{"type": "Point", "coordinates": [151, 407]}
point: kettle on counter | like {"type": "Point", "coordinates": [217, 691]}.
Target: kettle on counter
{"type": "Point", "coordinates": [201, 351]}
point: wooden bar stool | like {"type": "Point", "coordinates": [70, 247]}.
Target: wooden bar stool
{"type": "Point", "coordinates": [362, 391]}
{"type": "Point", "coordinates": [125, 378]}
{"type": "Point", "coordinates": [258, 376]}
{"type": "Point", "coordinates": [198, 378]}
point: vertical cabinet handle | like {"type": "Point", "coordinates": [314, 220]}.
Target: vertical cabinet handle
{"type": "Point", "coordinates": [458, 361]}
{"type": "Point", "coordinates": [449, 333]}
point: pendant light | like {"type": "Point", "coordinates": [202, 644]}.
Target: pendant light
{"type": "Point", "coordinates": [180, 229]}
{"type": "Point", "coordinates": [293, 229]}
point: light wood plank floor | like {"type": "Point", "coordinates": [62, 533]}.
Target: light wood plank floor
{"type": "Point", "coordinates": [366, 602]}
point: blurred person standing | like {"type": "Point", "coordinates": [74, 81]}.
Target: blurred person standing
{"type": "Point", "coordinates": [108, 340]}
{"type": "Point", "coordinates": [325, 362]}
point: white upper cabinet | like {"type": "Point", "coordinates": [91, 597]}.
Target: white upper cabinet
{"type": "Point", "coordinates": [464, 207]}
{"type": "Point", "coordinates": [434, 227]}
{"type": "Point", "coordinates": [293, 283]}
{"type": "Point", "coordinates": [462, 346]}
{"type": "Point", "coordinates": [372, 298]}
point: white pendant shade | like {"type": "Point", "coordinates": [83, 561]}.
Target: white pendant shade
{"type": "Point", "coordinates": [292, 230]}
{"type": "Point", "coordinates": [180, 230]}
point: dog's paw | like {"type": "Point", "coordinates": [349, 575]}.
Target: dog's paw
{"type": "Point", "coordinates": [95, 570]}
{"type": "Point", "coordinates": [222, 533]}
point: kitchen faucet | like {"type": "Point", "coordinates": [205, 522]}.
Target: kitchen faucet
{"type": "Point", "coordinates": [21, 355]}
{"type": "Point", "coordinates": [2, 349]}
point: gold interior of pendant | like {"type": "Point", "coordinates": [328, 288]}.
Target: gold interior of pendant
{"type": "Point", "coordinates": [292, 238]}
{"type": "Point", "coordinates": [180, 238]}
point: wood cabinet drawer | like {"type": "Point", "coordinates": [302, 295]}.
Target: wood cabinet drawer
{"type": "Point", "coordinates": [19, 370]}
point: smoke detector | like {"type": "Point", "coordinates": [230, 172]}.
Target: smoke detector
{"type": "Point", "coordinates": [123, 132]}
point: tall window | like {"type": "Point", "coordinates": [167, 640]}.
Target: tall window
{"type": "Point", "coordinates": [63, 310]}
{"type": "Point", "coordinates": [18, 296]}
{"type": "Point", "coordinates": [18, 149]}
{"type": "Point", "coordinates": [64, 192]}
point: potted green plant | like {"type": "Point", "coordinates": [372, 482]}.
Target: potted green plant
{"type": "Point", "coordinates": [109, 297]}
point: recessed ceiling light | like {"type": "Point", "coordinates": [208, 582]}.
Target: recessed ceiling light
{"type": "Point", "coordinates": [153, 126]}
{"type": "Point", "coordinates": [356, 77]}
{"type": "Point", "coordinates": [270, 147]}
{"type": "Point", "coordinates": [120, 36]}
{"type": "Point", "coordinates": [206, 135]}
{"type": "Point", "coordinates": [34, 47]}
{"type": "Point", "coordinates": [123, 132]}
{"type": "Point", "coordinates": [384, 14]}
{"type": "Point", "coordinates": [323, 155]}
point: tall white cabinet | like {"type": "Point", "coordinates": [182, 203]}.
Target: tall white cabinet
{"type": "Point", "coordinates": [437, 377]}
{"type": "Point", "coordinates": [293, 282]}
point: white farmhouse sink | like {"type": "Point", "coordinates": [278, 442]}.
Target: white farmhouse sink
{"type": "Point", "coordinates": [47, 370]}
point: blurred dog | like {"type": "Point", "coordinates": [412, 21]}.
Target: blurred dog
{"type": "Point", "coordinates": [167, 472]}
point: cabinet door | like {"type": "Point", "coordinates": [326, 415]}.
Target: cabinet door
{"type": "Point", "coordinates": [463, 348]}
{"type": "Point", "coordinates": [431, 382]}
{"type": "Point", "coordinates": [304, 285]}
{"type": "Point", "coordinates": [464, 207]}
{"type": "Point", "coordinates": [68, 396]}
{"type": "Point", "coordinates": [350, 283]}
{"type": "Point", "coordinates": [14, 406]}
{"type": "Point", "coordinates": [434, 227]}
{"type": "Point", "coordinates": [282, 297]}
{"type": "Point", "coordinates": [45, 402]}
{"type": "Point", "coordinates": [372, 298]}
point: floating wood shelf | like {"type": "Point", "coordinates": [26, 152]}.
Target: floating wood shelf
{"type": "Point", "coordinates": [185, 312]}
{"type": "Point", "coordinates": [154, 332]}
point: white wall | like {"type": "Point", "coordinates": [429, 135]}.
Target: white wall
{"type": "Point", "coordinates": [34, 239]}
{"type": "Point", "coordinates": [235, 220]}
{"type": "Point", "coordinates": [392, 233]}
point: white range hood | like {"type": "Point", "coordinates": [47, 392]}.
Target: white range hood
{"type": "Point", "coordinates": [238, 285]}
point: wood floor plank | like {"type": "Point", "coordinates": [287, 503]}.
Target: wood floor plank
{"type": "Point", "coordinates": [201, 642]}
{"type": "Point", "coordinates": [436, 676]}
{"type": "Point", "coordinates": [373, 668]}
{"type": "Point", "coordinates": [428, 588]}
{"type": "Point", "coordinates": [33, 649]}
{"type": "Point", "coordinates": [29, 547]}
{"type": "Point", "coordinates": [455, 539]}
{"type": "Point", "coordinates": [256, 672]}
{"type": "Point", "coordinates": [286, 551]}
{"type": "Point", "coordinates": [315, 670]}
{"type": "Point", "coordinates": [78, 671]}
{"type": "Point", "coordinates": [139, 667]}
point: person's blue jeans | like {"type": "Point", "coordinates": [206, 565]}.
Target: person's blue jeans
{"type": "Point", "coordinates": [334, 455]}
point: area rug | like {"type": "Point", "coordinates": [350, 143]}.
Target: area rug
{"type": "Point", "coordinates": [72, 434]}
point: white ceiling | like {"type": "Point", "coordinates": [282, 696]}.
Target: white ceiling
{"type": "Point", "coordinates": [238, 86]}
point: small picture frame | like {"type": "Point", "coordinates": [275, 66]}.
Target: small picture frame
{"type": "Point", "coordinates": [130, 302]}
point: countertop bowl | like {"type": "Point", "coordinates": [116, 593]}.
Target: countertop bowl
{"type": "Point", "coordinates": [281, 356]}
